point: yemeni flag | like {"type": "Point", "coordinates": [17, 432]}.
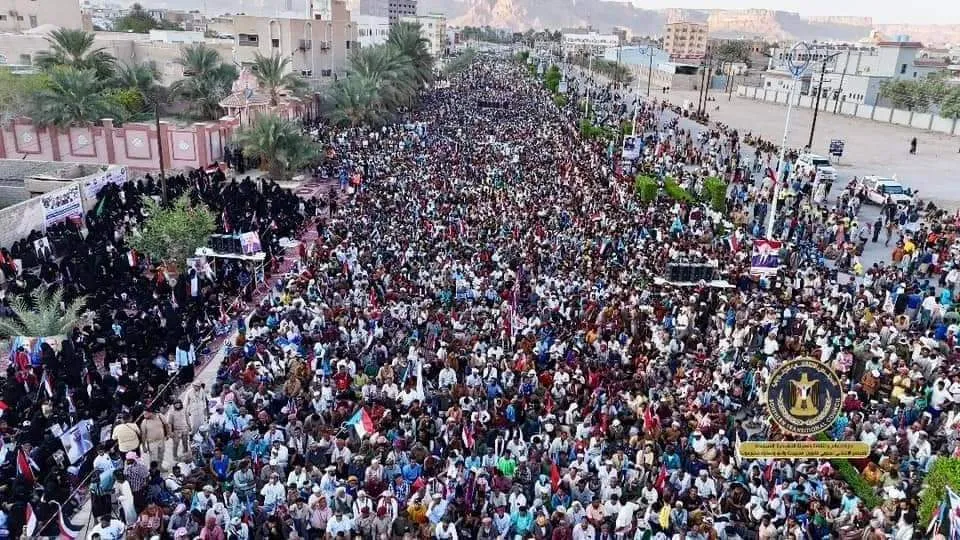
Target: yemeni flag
{"type": "Point", "coordinates": [67, 532]}
{"type": "Point", "coordinates": [3, 407]}
{"type": "Point", "coordinates": [47, 385]}
{"type": "Point", "coordinates": [29, 520]}
{"type": "Point", "coordinates": [468, 439]}
{"type": "Point", "coordinates": [25, 467]}
{"type": "Point", "coordinates": [772, 175]}
{"type": "Point", "coordinates": [373, 298]}
{"type": "Point", "coordinates": [554, 476]}
{"type": "Point", "coordinates": [661, 479]}
{"type": "Point", "coordinates": [361, 422]}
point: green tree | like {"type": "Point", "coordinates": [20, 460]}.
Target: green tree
{"type": "Point", "coordinates": [944, 472]}
{"type": "Point", "coordinates": [172, 233]}
{"type": "Point", "coordinates": [137, 21]}
{"type": "Point", "coordinates": [131, 83]}
{"type": "Point", "coordinates": [279, 143]}
{"type": "Point", "coordinates": [207, 80]}
{"type": "Point", "coordinates": [391, 73]}
{"type": "Point", "coordinates": [45, 313]}
{"type": "Point", "coordinates": [647, 188]}
{"type": "Point", "coordinates": [353, 101]}
{"type": "Point", "coordinates": [17, 93]}
{"type": "Point", "coordinates": [950, 106]}
{"type": "Point", "coordinates": [552, 78]}
{"type": "Point", "coordinates": [406, 38]}
{"type": "Point", "coordinates": [271, 73]}
{"type": "Point", "coordinates": [71, 97]}
{"type": "Point", "coordinates": [733, 51]}
{"type": "Point", "coordinates": [74, 48]}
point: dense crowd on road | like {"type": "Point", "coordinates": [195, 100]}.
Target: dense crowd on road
{"type": "Point", "coordinates": [479, 345]}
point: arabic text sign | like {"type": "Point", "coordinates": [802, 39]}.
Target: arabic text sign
{"type": "Point", "coordinates": [803, 449]}
{"type": "Point", "coordinates": [62, 205]}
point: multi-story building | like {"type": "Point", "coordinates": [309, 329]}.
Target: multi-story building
{"type": "Point", "coordinates": [371, 30]}
{"type": "Point", "coordinates": [852, 73]}
{"type": "Point", "coordinates": [685, 40]}
{"type": "Point", "coordinates": [21, 15]}
{"type": "Point", "coordinates": [397, 9]}
{"type": "Point", "coordinates": [433, 28]}
{"type": "Point", "coordinates": [375, 8]}
{"type": "Point", "coordinates": [318, 48]}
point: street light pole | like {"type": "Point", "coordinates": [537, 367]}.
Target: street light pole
{"type": "Point", "coordinates": [649, 73]}
{"type": "Point", "coordinates": [798, 59]}
{"type": "Point", "coordinates": [816, 107]}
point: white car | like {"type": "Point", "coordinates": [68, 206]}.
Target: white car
{"type": "Point", "coordinates": [820, 164]}
{"type": "Point", "coordinates": [879, 188]}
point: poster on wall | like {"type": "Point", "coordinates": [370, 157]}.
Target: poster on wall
{"type": "Point", "coordinates": [92, 187]}
{"type": "Point", "coordinates": [62, 205]}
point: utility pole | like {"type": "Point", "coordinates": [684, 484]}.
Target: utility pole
{"type": "Point", "coordinates": [846, 62]}
{"type": "Point", "coordinates": [707, 75]}
{"type": "Point", "coordinates": [703, 77]}
{"type": "Point", "coordinates": [649, 70]}
{"type": "Point", "coordinates": [816, 107]}
{"type": "Point", "coordinates": [163, 177]}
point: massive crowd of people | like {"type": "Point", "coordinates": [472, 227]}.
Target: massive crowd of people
{"type": "Point", "coordinates": [478, 345]}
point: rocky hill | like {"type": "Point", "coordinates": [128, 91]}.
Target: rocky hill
{"type": "Point", "coordinates": [763, 23]}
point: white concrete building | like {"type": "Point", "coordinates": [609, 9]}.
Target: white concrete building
{"type": "Point", "coordinates": [22, 15]}
{"type": "Point", "coordinates": [433, 27]}
{"type": "Point", "coordinates": [372, 30]}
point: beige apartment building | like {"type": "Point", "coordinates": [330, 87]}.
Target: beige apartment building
{"type": "Point", "coordinates": [318, 48]}
{"type": "Point", "coordinates": [22, 15]}
{"type": "Point", "coordinates": [160, 46]}
{"type": "Point", "coordinates": [685, 40]}
{"type": "Point", "coordinates": [397, 9]}
{"type": "Point", "coordinates": [433, 28]}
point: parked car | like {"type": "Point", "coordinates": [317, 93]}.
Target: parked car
{"type": "Point", "coordinates": [820, 164]}
{"type": "Point", "coordinates": [879, 188]}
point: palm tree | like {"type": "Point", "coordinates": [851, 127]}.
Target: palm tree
{"type": "Point", "coordinates": [74, 48]}
{"type": "Point", "coordinates": [354, 101]}
{"type": "Point", "coordinates": [71, 97]}
{"type": "Point", "coordinates": [279, 143]}
{"type": "Point", "coordinates": [44, 314]}
{"type": "Point", "coordinates": [140, 77]}
{"type": "Point", "coordinates": [407, 39]}
{"type": "Point", "coordinates": [270, 72]}
{"type": "Point", "coordinates": [207, 79]}
{"type": "Point", "coordinates": [389, 70]}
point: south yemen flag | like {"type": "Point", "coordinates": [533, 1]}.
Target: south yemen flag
{"type": "Point", "coordinates": [361, 422]}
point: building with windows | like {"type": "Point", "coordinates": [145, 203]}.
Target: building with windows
{"type": "Point", "coordinates": [372, 30]}
{"type": "Point", "coordinates": [433, 28]}
{"type": "Point", "coordinates": [397, 9]}
{"type": "Point", "coordinates": [318, 48]}
{"type": "Point", "coordinates": [685, 40]}
{"type": "Point", "coordinates": [854, 73]}
{"type": "Point", "coordinates": [22, 15]}
{"type": "Point", "coordinates": [376, 8]}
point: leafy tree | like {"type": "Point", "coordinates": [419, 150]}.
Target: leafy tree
{"type": "Point", "coordinates": [71, 97]}
{"type": "Point", "coordinates": [552, 78]}
{"type": "Point", "coordinates": [172, 233]}
{"type": "Point", "coordinates": [45, 313]}
{"type": "Point", "coordinates": [390, 71]}
{"type": "Point", "coordinates": [944, 472]}
{"type": "Point", "coordinates": [17, 93]}
{"type": "Point", "coordinates": [74, 48]}
{"type": "Point", "coordinates": [950, 106]}
{"type": "Point", "coordinates": [647, 188]}
{"type": "Point", "coordinates": [137, 76]}
{"type": "Point", "coordinates": [916, 94]}
{"type": "Point", "coordinates": [406, 38]}
{"type": "Point", "coordinates": [282, 147]}
{"type": "Point", "coordinates": [353, 101]}
{"type": "Point", "coordinates": [207, 80]}
{"type": "Point", "coordinates": [127, 104]}
{"type": "Point", "coordinates": [733, 51]}
{"type": "Point", "coordinates": [137, 21]}
{"type": "Point", "coordinates": [270, 72]}
{"type": "Point", "coordinates": [715, 193]}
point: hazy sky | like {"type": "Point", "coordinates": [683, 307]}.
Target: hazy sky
{"type": "Point", "coordinates": [882, 11]}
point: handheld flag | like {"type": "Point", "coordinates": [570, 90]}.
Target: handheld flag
{"type": "Point", "coordinates": [361, 422]}
{"type": "Point", "coordinates": [67, 532]}
{"type": "Point", "coordinates": [554, 476]}
{"type": "Point", "coordinates": [25, 467]}
{"type": "Point", "coordinates": [47, 385]}
{"type": "Point", "coordinates": [30, 521]}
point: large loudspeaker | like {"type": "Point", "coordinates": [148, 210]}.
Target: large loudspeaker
{"type": "Point", "coordinates": [689, 273]}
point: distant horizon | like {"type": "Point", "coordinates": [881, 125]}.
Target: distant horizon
{"type": "Point", "coordinates": [889, 13]}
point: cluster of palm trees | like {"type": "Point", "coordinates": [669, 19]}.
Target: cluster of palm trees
{"type": "Point", "coordinates": [381, 80]}
{"type": "Point", "coordinates": [82, 83]}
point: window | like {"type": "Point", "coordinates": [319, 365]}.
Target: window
{"type": "Point", "coordinates": [903, 69]}
{"type": "Point", "coordinates": [3, 17]}
{"type": "Point", "coordinates": [248, 40]}
{"type": "Point", "coordinates": [914, 74]}
{"type": "Point", "coordinates": [275, 43]}
{"type": "Point", "coordinates": [348, 45]}
{"type": "Point", "coordinates": [306, 72]}
{"type": "Point", "coordinates": [26, 60]}
{"type": "Point", "coordinates": [325, 73]}
{"type": "Point", "coordinates": [33, 22]}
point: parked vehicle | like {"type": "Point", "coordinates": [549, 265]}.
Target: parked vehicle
{"type": "Point", "coordinates": [820, 164]}
{"type": "Point", "coordinates": [878, 188]}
